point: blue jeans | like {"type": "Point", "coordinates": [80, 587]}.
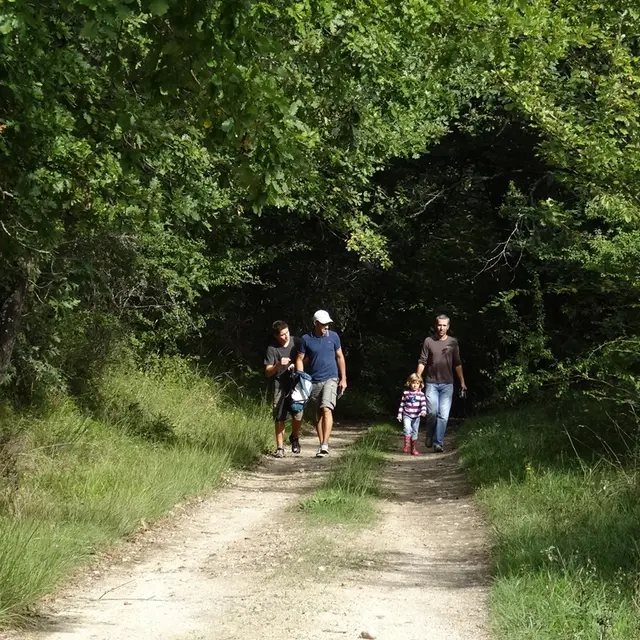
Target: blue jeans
{"type": "Point", "coordinates": [439, 399]}
{"type": "Point", "coordinates": [410, 427]}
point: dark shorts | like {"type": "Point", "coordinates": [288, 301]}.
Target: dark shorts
{"type": "Point", "coordinates": [282, 406]}
{"type": "Point", "coordinates": [324, 395]}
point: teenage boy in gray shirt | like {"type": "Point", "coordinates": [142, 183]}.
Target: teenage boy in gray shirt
{"type": "Point", "coordinates": [279, 365]}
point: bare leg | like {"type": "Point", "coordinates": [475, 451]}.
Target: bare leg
{"type": "Point", "coordinates": [295, 427]}
{"type": "Point", "coordinates": [320, 426]}
{"type": "Point", "coordinates": [280, 434]}
{"type": "Point", "coordinates": [327, 424]}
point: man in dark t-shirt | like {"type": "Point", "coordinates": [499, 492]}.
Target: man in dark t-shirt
{"type": "Point", "coordinates": [279, 366]}
{"type": "Point", "coordinates": [441, 358]}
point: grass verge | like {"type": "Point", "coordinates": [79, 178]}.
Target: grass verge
{"type": "Point", "coordinates": [563, 500]}
{"type": "Point", "coordinates": [354, 480]}
{"type": "Point", "coordinates": [156, 438]}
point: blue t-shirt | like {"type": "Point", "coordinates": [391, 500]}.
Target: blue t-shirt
{"type": "Point", "coordinates": [321, 352]}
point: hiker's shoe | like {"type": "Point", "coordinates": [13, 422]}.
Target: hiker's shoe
{"type": "Point", "coordinates": [429, 442]}
{"type": "Point", "coordinates": [279, 452]}
{"type": "Point", "coordinates": [437, 448]}
{"type": "Point", "coordinates": [295, 444]}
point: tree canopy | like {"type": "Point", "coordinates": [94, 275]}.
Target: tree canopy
{"type": "Point", "coordinates": [178, 174]}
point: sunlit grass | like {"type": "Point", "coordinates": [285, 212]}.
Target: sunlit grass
{"type": "Point", "coordinates": [563, 498]}
{"type": "Point", "coordinates": [88, 481]}
{"type": "Point", "coordinates": [353, 482]}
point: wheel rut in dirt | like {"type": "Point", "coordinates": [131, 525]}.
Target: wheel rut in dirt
{"type": "Point", "coordinates": [246, 563]}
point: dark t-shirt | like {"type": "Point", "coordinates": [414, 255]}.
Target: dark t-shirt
{"type": "Point", "coordinates": [440, 358]}
{"type": "Point", "coordinates": [321, 351]}
{"type": "Point", "coordinates": [275, 351]}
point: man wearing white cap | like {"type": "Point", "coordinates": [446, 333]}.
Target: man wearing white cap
{"type": "Point", "coordinates": [328, 371]}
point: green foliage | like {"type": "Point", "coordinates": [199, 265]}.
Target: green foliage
{"type": "Point", "coordinates": [560, 488]}
{"type": "Point", "coordinates": [85, 481]}
{"type": "Point", "coordinates": [176, 175]}
{"type": "Point", "coordinates": [149, 146]}
{"type": "Point", "coordinates": [137, 138]}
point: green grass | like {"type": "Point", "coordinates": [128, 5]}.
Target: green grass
{"type": "Point", "coordinates": [156, 439]}
{"type": "Point", "coordinates": [562, 494]}
{"type": "Point", "coordinates": [354, 481]}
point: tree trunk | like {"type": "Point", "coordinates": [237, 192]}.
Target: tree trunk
{"type": "Point", "coordinates": [10, 317]}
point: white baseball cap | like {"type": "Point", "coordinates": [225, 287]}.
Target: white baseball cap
{"type": "Point", "coordinates": [322, 317]}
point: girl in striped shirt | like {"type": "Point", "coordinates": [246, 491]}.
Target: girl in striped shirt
{"type": "Point", "coordinates": [413, 406]}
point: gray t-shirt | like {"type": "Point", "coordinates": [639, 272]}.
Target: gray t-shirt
{"type": "Point", "coordinates": [275, 351]}
{"type": "Point", "coordinates": [440, 358]}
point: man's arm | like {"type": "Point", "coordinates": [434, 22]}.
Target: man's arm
{"type": "Point", "coordinates": [342, 368]}
{"type": "Point", "coordinates": [301, 358]}
{"type": "Point", "coordinates": [271, 363]}
{"type": "Point", "coordinates": [463, 386]}
{"type": "Point", "coordinates": [271, 369]}
{"type": "Point", "coordinates": [457, 363]}
{"type": "Point", "coordinates": [423, 359]}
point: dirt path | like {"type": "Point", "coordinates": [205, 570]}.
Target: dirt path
{"type": "Point", "coordinates": [245, 564]}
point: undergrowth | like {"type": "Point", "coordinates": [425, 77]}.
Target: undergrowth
{"type": "Point", "coordinates": [561, 487]}
{"type": "Point", "coordinates": [82, 480]}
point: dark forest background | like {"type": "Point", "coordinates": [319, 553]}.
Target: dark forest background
{"type": "Point", "coordinates": [177, 175]}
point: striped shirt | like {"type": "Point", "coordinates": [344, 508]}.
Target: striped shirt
{"type": "Point", "coordinates": [413, 403]}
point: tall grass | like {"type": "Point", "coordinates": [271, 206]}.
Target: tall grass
{"type": "Point", "coordinates": [562, 493]}
{"type": "Point", "coordinates": [154, 439]}
{"type": "Point", "coordinates": [353, 481]}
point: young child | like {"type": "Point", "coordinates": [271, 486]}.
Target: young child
{"type": "Point", "coordinates": [413, 406]}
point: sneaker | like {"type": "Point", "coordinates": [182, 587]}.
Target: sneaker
{"type": "Point", "coordinates": [279, 453]}
{"type": "Point", "coordinates": [295, 444]}
{"type": "Point", "coordinates": [323, 450]}
{"type": "Point", "coordinates": [437, 448]}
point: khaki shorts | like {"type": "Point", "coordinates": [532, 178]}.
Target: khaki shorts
{"type": "Point", "coordinates": [282, 406]}
{"type": "Point", "coordinates": [324, 395]}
